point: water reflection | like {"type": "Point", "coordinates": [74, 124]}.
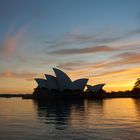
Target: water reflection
{"type": "Point", "coordinates": [57, 112]}
{"type": "Point", "coordinates": [78, 119]}
{"type": "Point", "coordinates": [107, 118]}
{"type": "Point", "coordinates": [69, 111]}
{"type": "Point", "coordinates": [137, 106]}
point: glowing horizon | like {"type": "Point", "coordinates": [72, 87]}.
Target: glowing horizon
{"type": "Point", "coordinates": [18, 85]}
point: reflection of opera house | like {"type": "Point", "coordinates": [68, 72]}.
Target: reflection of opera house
{"type": "Point", "coordinates": [62, 83]}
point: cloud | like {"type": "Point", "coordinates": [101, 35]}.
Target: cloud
{"type": "Point", "coordinates": [127, 58]}
{"type": "Point", "coordinates": [74, 65]}
{"type": "Point", "coordinates": [9, 44]}
{"type": "Point", "coordinates": [99, 37]}
{"type": "Point", "coordinates": [129, 45]}
{"type": "Point", "coordinates": [113, 72]}
{"type": "Point", "coordinates": [94, 49]}
{"type": "Point", "coordinates": [134, 32]}
{"type": "Point", "coordinates": [22, 75]}
{"type": "Point", "coordinates": [120, 60]}
{"type": "Point", "coordinates": [118, 75]}
{"type": "Point", "coordinates": [73, 38]}
{"type": "Point", "coordinates": [115, 61]}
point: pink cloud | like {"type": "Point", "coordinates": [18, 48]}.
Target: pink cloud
{"type": "Point", "coordinates": [11, 41]}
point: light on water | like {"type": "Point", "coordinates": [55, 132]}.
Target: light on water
{"type": "Point", "coordinates": [84, 119]}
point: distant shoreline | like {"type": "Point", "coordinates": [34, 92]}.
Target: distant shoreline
{"type": "Point", "coordinates": [76, 96]}
{"type": "Point", "coordinates": [13, 95]}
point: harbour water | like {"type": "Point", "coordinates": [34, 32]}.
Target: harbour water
{"type": "Point", "coordinates": [107, 119]}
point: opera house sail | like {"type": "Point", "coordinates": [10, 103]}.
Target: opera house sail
{"type": "Point", "coordinates": [63, 80]}
{"type": "Point", "coordinates": [42, 83]}
{"type": "Point", "coordinates": [52, 82]}
{"type": "Point", "coordinates": [79, 84]}
{"type": "Point", "coordinates": [95, 88]}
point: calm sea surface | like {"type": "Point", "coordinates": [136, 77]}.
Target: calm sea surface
{"type": "Point", "coordinates": [106, 119]}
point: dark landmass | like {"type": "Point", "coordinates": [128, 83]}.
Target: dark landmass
{"type": "Point", "coordinates": [14, 95]}
{"type": "Point", "coordinates": [76, 95]}
{"type": "Point", "coordinates": [89, 95]}
{"type": "Point", "coordinates": [44, 94]}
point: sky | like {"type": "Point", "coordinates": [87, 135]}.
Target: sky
{"type": "Point", "coordinates": [94, 39]}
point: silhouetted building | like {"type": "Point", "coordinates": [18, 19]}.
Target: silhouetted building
{"type": "Point", "coordinates": [61, 82]}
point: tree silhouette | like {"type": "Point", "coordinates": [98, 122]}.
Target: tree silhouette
{"type": "Point", "coordinates": [137, 84]}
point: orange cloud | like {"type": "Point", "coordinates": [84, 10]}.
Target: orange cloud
{"type": "Point", "coordinates": [23, 75]}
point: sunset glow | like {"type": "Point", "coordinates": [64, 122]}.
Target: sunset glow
{"type": "Point", "coordinates": [89, 39]}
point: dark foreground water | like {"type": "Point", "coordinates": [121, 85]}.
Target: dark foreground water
{"type": "Point", "coordinates": [106, 119]}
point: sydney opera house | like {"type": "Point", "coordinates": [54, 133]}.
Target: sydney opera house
{"type": "Point", "coordinates": [61, 83]}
